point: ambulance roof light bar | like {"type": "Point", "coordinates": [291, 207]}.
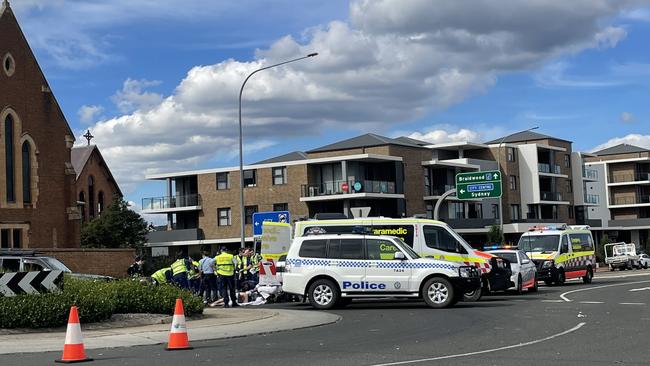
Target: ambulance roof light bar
{"type": "Point", "coordinates": [549, 227]}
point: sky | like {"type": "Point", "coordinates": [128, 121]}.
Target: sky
{"type": "Point", "coordinates": [157, 81]}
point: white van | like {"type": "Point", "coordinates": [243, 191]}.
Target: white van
{"type": "Point", "coordinates": [429, 238]}
{"type": "Point", "coordinates": [331, 270]}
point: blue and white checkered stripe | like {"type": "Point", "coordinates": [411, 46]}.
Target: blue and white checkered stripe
{"type": "Point", "coordinates": [364, 264]}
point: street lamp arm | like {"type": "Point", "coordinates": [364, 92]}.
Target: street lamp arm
{"type": "Point", "coordinates": [241, 90]}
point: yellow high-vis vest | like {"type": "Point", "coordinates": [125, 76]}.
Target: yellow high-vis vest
{"type": "Point", "coordinates": [225, 266]}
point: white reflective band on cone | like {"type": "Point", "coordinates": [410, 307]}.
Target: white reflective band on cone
{"type": "Point", "coordinates": [178, 324]}
{"type": "Point", "coordinates": [73, 334]}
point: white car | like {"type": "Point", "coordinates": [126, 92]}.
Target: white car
{"type": "Point", "coordinates": [332, 269]}
{"type": "Point", "coordinates": [644, 260]}
{"type": "Point", "coordinates": [524, 271]}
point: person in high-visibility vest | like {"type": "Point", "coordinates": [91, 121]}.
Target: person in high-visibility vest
{"type": "Point", "coordinates": [256, 258]}
{"type": "Point", "coordinates": [244, 267]}
{"type": "Point", "coordinates": [194, 276]}
{"type": "Point", "coordinates": [225, 265]}
{"type": "Point", "coordinates": [179, 270]}
{"type": "Point", "coordinates": [161, 276]}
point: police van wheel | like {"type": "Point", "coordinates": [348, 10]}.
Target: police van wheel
{"type": "Point", "coordinates": [323, 294]}
{"type": "Point", "coordinates": [438, 293]}
{"type": "Point", "coordinates": [589, 276]}
{"type": "Point", "coordinates": [472, 296]}
{"type": "Point", "coordinates": [561, 278]}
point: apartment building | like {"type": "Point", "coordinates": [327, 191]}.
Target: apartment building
{"type": "Point", "coordinates": [394, 177]}
{"type": "Point", "coordinates": [625, 189]}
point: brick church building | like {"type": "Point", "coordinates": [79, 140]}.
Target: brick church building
{"type": "Point", "coordinates": [95, 185]}
{"type": "Point", "coordinates": [38, 198]}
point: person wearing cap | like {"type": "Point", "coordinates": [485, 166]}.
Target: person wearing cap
{"type": "Point", "coordinates": [226, 264]}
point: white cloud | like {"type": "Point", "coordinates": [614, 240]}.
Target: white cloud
{"type": "Point", "coordinates": [610, 37]}
{"type": "Point", "coordinates": [631, 139]}
{"type": "Point", "coordinates": [89, 113]}
{"type": "Point", "coordinates": [133, 96]}
{"type": "Point", "coordinates": [393, 61]}
{"type": "Point", "coordinates": [627, 117]}
{"type": "Point", "coordinates": [440, 136]}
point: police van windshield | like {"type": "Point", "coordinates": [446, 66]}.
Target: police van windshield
{"type": "Point", "coordinates": [539, 243]}
{"type": "Point", "coordinates": [405, 247]}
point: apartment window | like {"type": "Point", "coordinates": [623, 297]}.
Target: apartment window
{"type": "Point", "coordinates": [515, 212]}
{"type": "Point", "coordinates": [495, 211]}
{"type": "Point", "coordinates": [223, 215]}
{"type": "Point", "coordinates": [248, 217]}
{"type": "Point", "coordinates": [280, 207]}
{"type": "Point", "coordinates": [511, 154]}
{"type": "Point", "coordinates": [567, 161]}
{"type": "Point", "coordinates": [222, 181]}
{"type": "Point", "coordinates": [280, 175]}
{"type": "Point", "coordinates": [427, 182]}
{"type": "Point", "coordinates": [457, 210]}
{"type": "Point", "coordinates": [512, 180]}
{"type": "Point", "coordinates": [250, 178]}
{"type": "Point", "coordinates": [429, 211]}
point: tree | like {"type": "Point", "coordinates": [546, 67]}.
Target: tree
{"type": "Point", "coordinates": [494, 235]}
{"type": "Point", "coordinates": [600, 253]}
{"type": "Point", "coordinates": [116, 227]}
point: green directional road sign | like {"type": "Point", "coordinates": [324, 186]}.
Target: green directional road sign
{"type": "Point", "coordinates": [478, 185]}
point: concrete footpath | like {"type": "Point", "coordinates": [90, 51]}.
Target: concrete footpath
{"type": "Point", "coordinates": [216, 324]}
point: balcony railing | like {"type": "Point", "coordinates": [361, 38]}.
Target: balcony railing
{"type": "Point", "coordinates": [550, 196]}
{"type": "Point", "coordinates": [439, 190]}
{"type": "Point", "coordinates": [336, 187]}
{"type": "Point", "coordinates": [161, 203]}
{"type": "Point", "coordinates": [631, 177]}
{"type": "Point", "coordinates": [549, 168]}
{"type": "Point", "coordinates": [590, 173]}
{"type": "Point", "coordinates": [630, 200]}
{"type": "Point", "coordinates": [592, 198]}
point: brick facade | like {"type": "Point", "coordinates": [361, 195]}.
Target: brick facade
{"type": "Point", "coordinates": [49, 218]}
{"type": "Point", "coordinates": [107, 262]}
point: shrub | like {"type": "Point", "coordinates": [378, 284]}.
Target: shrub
{"type": "Point", "coordinates": [96, 301]}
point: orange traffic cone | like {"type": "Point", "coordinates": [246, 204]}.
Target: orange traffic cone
{"type": "Point", "coordinates": [178, 334]}
{"type": "Point", "coordinates": [73, 349]}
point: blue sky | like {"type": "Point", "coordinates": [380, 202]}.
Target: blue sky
{"type": "Point", "coordinates": [156, 81]}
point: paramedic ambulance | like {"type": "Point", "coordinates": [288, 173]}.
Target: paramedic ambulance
{"type": "Point", "coordinates": [429, 238]}
{"type": "Point", "coordinates": [560, 252]}
{"type": "Point", "coordinates": [332, 269]}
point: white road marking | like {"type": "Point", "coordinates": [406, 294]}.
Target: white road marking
{"type": "Point", "coordinates": [631, 303]}
{"type": "Point", "coordinates": [580, 325]}
{"type": "Point", "coordinates": [552, 301]}
{"type": "Point", "coordinates": [563, 296]}
{"type": "Point", "coordinates": [590, 302]}
{"type": "Point", "coordinates": [640, 289]}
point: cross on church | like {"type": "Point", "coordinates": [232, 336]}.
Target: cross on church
{"type": "Point", "coordinates": [88, 136]}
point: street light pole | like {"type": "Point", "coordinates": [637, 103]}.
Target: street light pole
{"type": "Point", "coordinates": [242, 215]}
{"type": "Point", "coordinates": [502, 179]}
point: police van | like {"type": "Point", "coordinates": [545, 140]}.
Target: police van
{"type": "Point", "coordinates": [331, 270]}
{"type": "Point", "coordinates": [429, 238]}
{"type": "Point", "coordinates": [560, 252]}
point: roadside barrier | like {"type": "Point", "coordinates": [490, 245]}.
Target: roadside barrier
{"type": "Point", "coordinates": [73, 349]}
{"type": "Point", "coordinates": [178, 339]}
